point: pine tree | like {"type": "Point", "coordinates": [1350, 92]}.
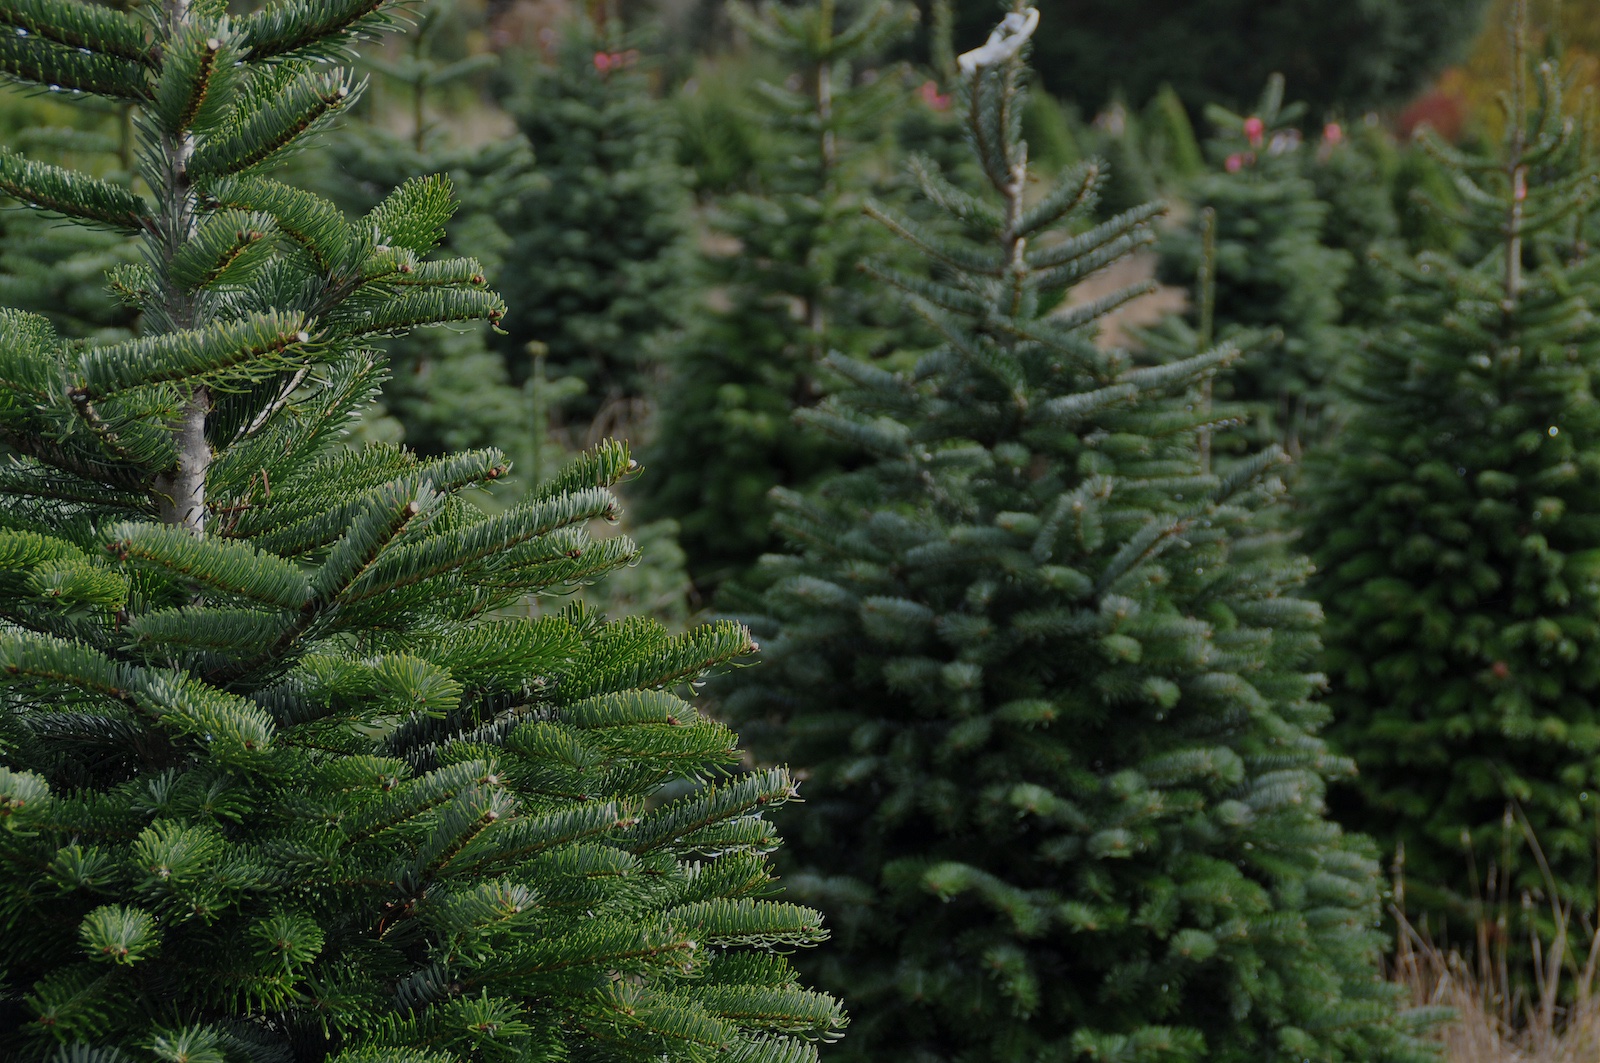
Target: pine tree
{"type": "Point", "coordinates": [1454, 531]}
{"type": "Point", "coordinates": [1274, 273]}
{"type": "Point", "coordinates": [1047, 677]}
{"type": "Point", "coordinates": [450, 389]}
{"type": "Point", "coordinates": [789, 288]}
{"type": "Point", "coordinates": [282, 775]}
{"type": "Point", "coordinates": [601, 238]}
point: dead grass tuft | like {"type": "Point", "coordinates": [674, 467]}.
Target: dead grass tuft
{"type": "Point", "coordinates": [1545, 1012]}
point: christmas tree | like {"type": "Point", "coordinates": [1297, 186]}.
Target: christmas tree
{"type": "Point", "coordinates": [449, 388]}
{"type": "Point", "coordinates": [1047, 676]}
{"type": "Point", "coordinates": [600, 237]}
{"type": "Point", "coordinates": [1352, 169]}
{"type": "Point", "coordinates": [51, 269]}
{"type": "Point", "coordinates": [1273, 271]}
{"type": "Point", "coordinates": [455, 387]}
{"type": "Point", "coordinates": [1454, 531]}
{"type": "Point", "coordinates": [282, 773]}
{"type": "Point", "coordinates": [789, 289]}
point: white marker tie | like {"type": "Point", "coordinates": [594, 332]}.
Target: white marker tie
{"type": "Point", "coordinates": [1006, 40]}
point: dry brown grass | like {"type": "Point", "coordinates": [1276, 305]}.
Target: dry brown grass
{"type": "Point", "coordinates": [1494, 1024]}
{"type": "Point", "coordinates": [1547, 1012]}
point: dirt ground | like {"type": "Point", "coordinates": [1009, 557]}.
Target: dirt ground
{"type": "Point", "coordinates": [1145, 310]}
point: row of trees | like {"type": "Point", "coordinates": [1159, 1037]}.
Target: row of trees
{"type": "Point", "coordinates": [293, 765]}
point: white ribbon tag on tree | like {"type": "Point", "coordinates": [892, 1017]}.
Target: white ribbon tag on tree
{"type": "Point", "coordinates": [1006, 40]}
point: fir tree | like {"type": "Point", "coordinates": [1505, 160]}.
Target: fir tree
{"type": "Point", "coordinates": [600, 237]}
{"type": "Point", "coordinates": [724, 435]}
{"type": "Point", "coordinates": [449, 388]}
{"type": "Point", "coordinates": [1455, 535]}
{"type": "Point", "coordinates": [1273, 273]}
{"type": "Point", "coordinates": [452, 387]}
{"type": "Point", "coordinates": [49, 268]}
{"type": "Point", "coordinates": [1048, 679]}
{"type": "Point", "coordinates": [1352, 171]}
{"type": "Point", "coordinates": [279, 777]}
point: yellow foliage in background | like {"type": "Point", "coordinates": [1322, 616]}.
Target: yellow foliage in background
{"type": "Point", "coordinates": [1564, 29]}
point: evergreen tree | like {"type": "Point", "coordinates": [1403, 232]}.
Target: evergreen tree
{"type": "Point", "coordinates": [1455, 535]}
{"type": "Point", "coordinates": [1424, 200]}
{"type": "Point", "coordinates": [449, 388]}
{"type": "Point", "coordinates": [1047, 678]}
{"type": "Point", "coordinates": [601, 238]}
{"type": "Point", "coordinates": [1117, 138]}
{"type": "Point", "coordinates": [52, 269]}
{"type": "Point", "coordinates": [1273, 272]}
{"type": "Point", "coordinates": [788, 287]}
{"type": "Point", "coordinates": [1352, 171]}
{"type": "Point", "coordinates": [720, 139]}
{"type": "Point", "coordinates": [280, 779]}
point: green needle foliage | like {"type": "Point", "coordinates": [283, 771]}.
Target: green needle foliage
{"type": "Point", "coordinates": [1455, 533]}
{"type": "Point", "coordinates": [46, 267]}
{"type": "Point", "coordinates": [450, 389]}
{"type": "Point", "coordinates": [787, 284]}
{"type": "Point", "coordinates": [600, 236]}
{"type": "Point", "coordinates": [1353, 169]}
{"type": "Point", "coordinates": [1049, 681]}
{"type": "Point", "coordinates": [1273, 272]}
{"type": "Point", "coordinates": [284, 775]}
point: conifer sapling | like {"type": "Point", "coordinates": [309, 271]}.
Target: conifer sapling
{"type": "Point", "coordinates": [725, 435]}
{"type": "Point", "coordinates": [1048, 676]}
{"type": "Point", "coordinates": [285, 771]}
{"type": "Point", "coordinates": [1455, 533]}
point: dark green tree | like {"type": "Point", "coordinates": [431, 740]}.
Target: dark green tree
{"type": "Point", "coordinates": [282, 775]}
{"type": "Point", "coordinates": [1455, 529]}
{"type": "Point", "coordinates": [1353, 170]}
{"type": "Point", "coordinates": [1048, 679]}
{"type": "Point", "coordinates": [599, 240]}
{"type": "Point", "coordinates": [1274, 273]}
{"type": "Point", "coordinates": [449, 388]}
{"type": "Point", "coordinates": [787, 288]}
{"type": "Point", "coordinates": [46, 267]}
{"type": "Point", "coordinates": [454, 387]}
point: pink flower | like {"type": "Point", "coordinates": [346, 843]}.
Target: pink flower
{"type": "Point", "coordinates": [931, 96]}
{"type": "Point", "coordinates": [1234, 163]}
{"type": "Point", "coordinates": [602, 62]}
{"type": "Point", "coordinates": [1254, 130]}
{"type": "Point", "coordinates": [1332, 134]}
